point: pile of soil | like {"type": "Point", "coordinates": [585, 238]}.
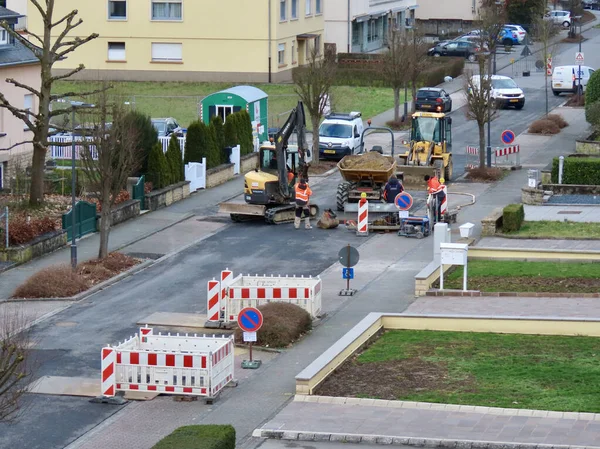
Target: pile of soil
{"type": "Point", "coordinates": [369, 161]}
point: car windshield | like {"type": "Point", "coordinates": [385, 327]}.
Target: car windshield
{"type": "Point", "coordinates": [504, 84]}
{"type": "Point", "coordinates": [335, 130]}
{"type": "Point", "coordinates": [160, 127]}
{"type": "Point", "coordinates": [427, 94]}
{"type": "Point", "coordinates": [425, 129]}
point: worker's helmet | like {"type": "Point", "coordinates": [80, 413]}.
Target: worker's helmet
{"type": "Point", "coordinates": [363, 195]}
{"type": "Point", "coordinates": [442, 180]}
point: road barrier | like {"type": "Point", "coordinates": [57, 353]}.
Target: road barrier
{"type": "Point", "coordinates": [170, 364]}
{"type": "Point", "coordinates": [363, 218]}
{"type": "Point", "coordinates": [472, 156]}
{"type": "Point", "coordinates": [226, 298]}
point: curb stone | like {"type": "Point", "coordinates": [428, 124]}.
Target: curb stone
{"type": "Point", "coordinates": [405, 441]}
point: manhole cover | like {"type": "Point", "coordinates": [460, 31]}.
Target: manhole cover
{"type": "Point", "coordinates": [569, 212]}
{"type": "Point", "coordinates": [151, 256]}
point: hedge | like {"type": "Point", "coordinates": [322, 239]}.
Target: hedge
{"type": "Point", "coordinates": [175, 161]}
{"type": "Point", "coordinates": [578, 170]}
{"type": "Point", "coordinates": [145, 133]}
{"type": "Point", "coordinates": [206, 436]}
{"type": "Point", "coordinates": [158, 172]}
{"type": "Point", "coordinates": [592, 98]}
{"type": "Point", "coordinates": [513, 217]}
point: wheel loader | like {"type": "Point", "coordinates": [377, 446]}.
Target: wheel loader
{"type": "Point", "coordinates": [428, 150]}
{"type": "Point", "coordinates": [269, 189]}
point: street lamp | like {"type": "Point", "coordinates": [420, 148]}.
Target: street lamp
{"type": "Point", "coordinates": [579, 21]}
{"type": "Point", "coordinates": [74, 105]}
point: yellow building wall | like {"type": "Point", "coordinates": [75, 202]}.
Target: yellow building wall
{"type": "Point", "coordinates": [228, 36]}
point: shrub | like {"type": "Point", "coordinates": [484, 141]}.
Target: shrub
{"type": "Point", "coordinates": [206, 436]}
{"type": "Point", "coordinates": [230, 132]}
{"type": "Point", "coordinates": [193, 142]}
{"type": "Point", "coordinates": [513, 217]}
{"type": "Point", "coordinates": [283, 324]}
{"type": "Point", "coordinates": [558, 120]}
{"type": "Point", "coordinates": [52, 282]}
{"type": "Point", "coordinates": [592, 113]}
{"type": "Point", "coordinates": [578, 170]}
{"type": "Point", "coordinates": [175, 160]}
{"type": "Point", "coordinates": [22, 229]}
{"type": "Point", "coordinates": [220, 134]}
{"type": "Point", "coordinates": [592, 90]}
{"type": "Point", "coordinates": [544, 126]}
{"type": "Point", "coordinates": [121, 198]}
{"type": "Point", "coordinates": [244, 124]}
{"type": "Point", "coordinates": [158, 168]}
{"type": "Point", "coordinates": [211, 151]}
{"type": "Point", "coordinates": [485, 174]}
{"type": "Point", "coordinates": [146, 135]}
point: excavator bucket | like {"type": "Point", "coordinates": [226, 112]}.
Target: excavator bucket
{"type": "Point", "coordinates": [412, 176]}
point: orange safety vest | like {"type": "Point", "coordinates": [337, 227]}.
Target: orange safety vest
{"type": "Point", "coordinates": [303, 195]}
{"type": "Point", "coordinates": [434, 186]}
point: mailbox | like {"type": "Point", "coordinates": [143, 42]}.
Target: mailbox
{"type": "Point", "coordinates": [454, 253]}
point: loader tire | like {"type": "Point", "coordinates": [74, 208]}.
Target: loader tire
{"type": "Point", "coordinates": [341, 196]}
{"type": "Point", "coordinates": [448, 170]}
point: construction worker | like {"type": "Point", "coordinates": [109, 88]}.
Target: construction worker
{"type": "Point", "coordinates": [436, 189]}
{"type": "Point", "coordinates": [303, 194]}
{"type": "Point", "coordinates": [392, 189]}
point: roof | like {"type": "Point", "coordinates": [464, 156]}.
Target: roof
{"type": "Point", "coordinates": [9, 14]}
{"type": "Point", "coordinates": [16, 54]}
{"type": "Point", "coordinates": [248, 93]}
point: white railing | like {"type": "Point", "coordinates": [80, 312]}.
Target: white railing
{"type": "Point", "coordinates": [164, 142]}
{"type": "Point", "coordinates": [65, 151]}
{"type": "Point", "coordinates": [195, 172]}
{"type": "Point", "coordinates": [234, 159]}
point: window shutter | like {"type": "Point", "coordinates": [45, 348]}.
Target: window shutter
{"type": "Point", "coordinates": [116, 51]}
{"type": "Point", "coordinates": [167, 52]}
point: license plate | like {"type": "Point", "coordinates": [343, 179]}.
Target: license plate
{"type": "Point", "coordinates": [330, 151]}
{"type": "Point", "coordinates": [514, 101]}
{"type": "Point", "coordinates": [426, 106]}
{"type": "Point", "coordinates": [558, 84]}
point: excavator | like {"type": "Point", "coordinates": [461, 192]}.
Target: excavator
{"type": "Point", "coordinates": [269, 189]}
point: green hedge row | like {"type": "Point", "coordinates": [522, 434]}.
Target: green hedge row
{"type": "Point", "coordinates": [199, 437]}
{"type": "Point", "coordinates": [513, 216]}
{"type": "Point", "coordinates": [578, 170]}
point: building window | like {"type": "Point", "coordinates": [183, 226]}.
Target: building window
{"type": "Point", "coordinates": [308, 7]}
{"type": "Point", "coordinates": [3, 37]}
{"type": "Point", "coordinates": [28, 105]}
{"type": "Point", "coordinates": [282, 10]}
{"type": "Point", "coordinates": [318, 45]}
{"type": "Point", "coordinates": [117, 10]}
{"type": "Point", "coordinates": [166, 52]}
{"type": "Point", "coordinates": [116, 51]}
{"type": "Point", "coordinates": [167, 10]}
{"type": "Point", "coordinates": [319, 6]}
{"type": "Point", "coordinates": [294, 9]}
{"type": "Point", "coordinates": [224, 111]}
{"type": "Point", "coordinates": [373, 31]}
{"type": "Point", "coordinates": [281, 54]}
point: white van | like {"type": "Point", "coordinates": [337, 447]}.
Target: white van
{"type": "Point", "coordinates": [565, 78]}
{"type": "Point", "coordinates": [505, 91]}
{"type": "Point", "coordinates": [339, 135]}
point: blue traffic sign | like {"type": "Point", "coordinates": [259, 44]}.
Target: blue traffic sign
{"type": "Point", "coordinates": [250, 319]}
{"type": "Point", "coordinates": [347, 273]}
{"type": "Point", "coordinates": [403, 201]}
{"type": "Point", "coordinates": [508, 137]}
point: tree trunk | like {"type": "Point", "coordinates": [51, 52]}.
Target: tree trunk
{"type": "Point", "coordinates": [482, 148]}
{"type": "Point", "coordinates": [314, 119]}
{"type": "Point", "coordinates": [396, 104]}
{"type": "Point", "coordinates": [105, 222]}
{"type": "Point", "coordinates": [36, 192]}
{"type": "Point", "coordinates": [414, 95]}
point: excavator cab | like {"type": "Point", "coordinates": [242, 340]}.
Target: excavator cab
{"type": "Point", "coordinates": [428, 128]}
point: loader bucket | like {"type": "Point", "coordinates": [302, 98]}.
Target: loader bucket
{"type": "Point", "coordinates": [412, 175]}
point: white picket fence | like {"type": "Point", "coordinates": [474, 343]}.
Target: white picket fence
{"type": "Point", "coordinates": [65, 151]}
{"type": "Point", "coordinates": [195, 172]}
{"type": "Point", "coordinates": [164, 142]}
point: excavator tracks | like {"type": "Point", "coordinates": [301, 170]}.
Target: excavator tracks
{"type": "Point", "coordinates": [285, 214]}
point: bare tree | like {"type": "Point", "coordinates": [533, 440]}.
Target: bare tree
{"type": "Point", "coordinates": [55, 44]}
{"type": "Point", "coordinates": [111, 153]}
{"type": "Point", "coordinates": [544, 31]}
{"type": "Point", "coordinates": [313, 82]}
{"type": "Point", "coordinates": [395, 62]}
{"type": "Point", "coordinates": [15, 364]}
{"type": "Point", "coordinates": [575, 7]}
{"type": "Point", "coordinates": [416, 60]}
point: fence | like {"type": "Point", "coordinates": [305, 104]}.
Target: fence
{"type": "Point", "coordinates": [501, 156]}
{"type": "Point", "coordinates": [234, 158]}
{"type": "Point", "coordinates": [85, 219]}
{"type": "Point", "coordinates": [195, 173]}
{"type": "Point", "coordinates": [164, 142]}
{"type": "Point", "coordinates": [139, 192]}
{"type": "Point", "coordinates": [5, 215]}
{"type": "Point", "coordinates": [230, 295]}
{"type": "Point", "coordinates": [171, 364]}
{"type": "Point", "coordinates": [65, 151]}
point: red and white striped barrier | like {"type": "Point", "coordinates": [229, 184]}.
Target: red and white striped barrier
{"type": "Point", "coordinates": [363, 218]}
{"type": "Point", "coordinates": [213, 308]}
{"type": "Point", "coordinates": [508, 150]}
{"type": "Point", "coordinates": [505, 153]}
{"type": "Point", "coordinates": [172, 364]}
{"type": "Point", "coordinates": [444, 205]}
{"type": "Point", "coordinates": [473, 150]}
{"type": "Point", "coordinates": [226, 280]}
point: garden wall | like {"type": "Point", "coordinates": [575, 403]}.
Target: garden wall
{"type": "Point", "coordinates": [248, 163]}
{"type": "Point", "coordinates": [157, 199]}
{"type": "Point", "coordinates": [123, 212]}
{"type": "Point", "coordinates": [587, 147]}
{"type": "Point", "coordinates": [219, 175]}
{"type": "Point", "coordinates": [41, 245]}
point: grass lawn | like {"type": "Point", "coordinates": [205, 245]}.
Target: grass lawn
{"type": "Point", "coordinates": [558, 229]}
{"type": "Point", "coordinates": [493, 370]}
{"type": "Point", "coordinates": [518, 276]}
{"type": "Point", "coordinates": [182, 100]}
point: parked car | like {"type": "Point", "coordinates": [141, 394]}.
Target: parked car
{"type": "Point", "coordinates": [521, 33]}
{"type": "Point", "coordinates": [433, 99]}
{"type": "Point", "coordinates": [340, 135]}
{"type": "Point", "coordinates": [166, 126]}
{"type": "Point", "coordinates": [456, 48]}
{"type": "Point", "coordinates": [473, 39]}
{"type": "Point", "coordinates": [567, 78]}
{"type": "Point", "coordinates": [508, 37]}
{"type": "Point", "coordinates": [505, 91]}
{"type": "Point", "coordinates": [591, 4]}
{"type": "Point", "coordinates": [559, 17]}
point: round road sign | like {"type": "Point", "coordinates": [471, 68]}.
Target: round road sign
{"type": "Point", "coordinates": [348, 256]}
{"type": "Point", "coordinates": [508, 137]}
{"type": "Point", "coordinates": [403, 201]}
{"type": "Point", "coordinates": [250, 319]}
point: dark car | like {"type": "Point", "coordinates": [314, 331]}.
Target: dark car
{"type": "Point", "coordinates": [433, 99]}
{"type": "Point", "coordinates": [456, 48]}
{"type": "Point", "coordinates": [166, 126]}
{"type": "Point", "coordinates": [591, 4]}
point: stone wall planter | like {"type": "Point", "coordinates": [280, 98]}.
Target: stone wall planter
{"type": "Point", "coordinates": [248, 163]}
{"type": "Point", "coordinates": [218, 175]}
{"type": "Point", "coordinates": [571, 189]}
{"type": "Point", "coordinates": [532, 196]}
{"type": "Point", "coordinates": [590, 147]}
{"type": "Point", "coordinates": [492, 223]}
{"type": "Point", "coordinates": [41, 245]}
{"type": "Point", "coordinates": [122, 212]}
{"type": "Point", "coordinates": [157, 199]}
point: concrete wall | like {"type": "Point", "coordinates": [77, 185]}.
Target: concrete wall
{"type": "Point", "coordinates": [158, 199]}
{"type": "Point", "coordinates": [492, 223]}
{"type": "Point", "coordinates": [587, 147]}
{"type": "Point", "coordinates": [219, 175]}
{"type": "Point", "coordinates": [248, 163]}
{"type": "Point", "coordinates": [532, 196]}
{"type": "Point", "coordinates": [123, 212]}
{"type": "Point", "coordinates": [40, 246]}
{"type": "Point", "coordinates": [224, 41]}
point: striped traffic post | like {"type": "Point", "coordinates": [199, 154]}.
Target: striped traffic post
{"type": "Point", "coordinates": [109, 358]}
{"type": "Point", "coordinates": [213, 308]}
{"type": "Point", "coordinates": [362, 228]}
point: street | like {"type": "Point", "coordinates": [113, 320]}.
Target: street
{"type": "Point", "coordinates": [69, 343]}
